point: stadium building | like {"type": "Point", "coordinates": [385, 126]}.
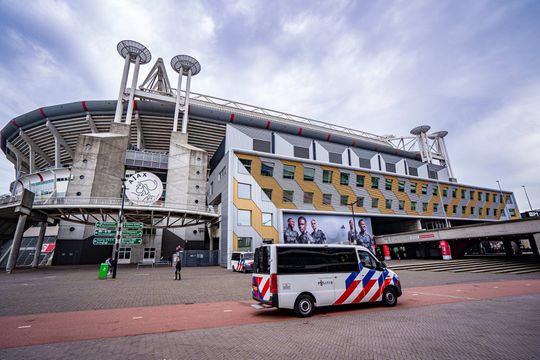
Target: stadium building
{"type": "Point", "coordinates": [234, 175]}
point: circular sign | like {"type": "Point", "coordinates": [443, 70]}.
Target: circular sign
{"type": "Point", "coordinates": [143, 188]}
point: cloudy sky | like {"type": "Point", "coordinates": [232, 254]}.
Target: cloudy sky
{"type": "Point", "coordinates": [469, 67]}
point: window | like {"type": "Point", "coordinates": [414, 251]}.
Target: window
{"type": "Point", "coordinates": [388, 185]}
{"type": "Point", "coordinates": [244, 217]}
{"type": "Point", "coordinates": [149, 253]}
{"type": "Point", "coordinates": [344, 178]}
{"type": "Point", "coordinates": [309, 174]}
{"type": "Point", "coordinates": [244, 243]}
{"type": "Point", "coordinates": [435, 191]}
{"type": "Point", "coordinates": [487, 196]}
{"type": "Point", "coordinates": [424, 206]}
{"type": "Point", "coordinates": [344, 200]}
{"type": "Point", "coordinates": [360, 180]}
{"type": "Point", "coordinates": [388, 203]}
{"type": "Point", "coordinates": [374, 203]}
{"type": "Point", "coordinates": [365, 163]}
{"type": "Point", "coordinates": [424, 189]}
{"type": "Point", "coordinates": [244, 191]}
{"type": "Point", "coordinates": [401, 186]}
{"type": "Point", "coordinates": [463, 210]}
{"type": "Point", "coordinates": [327, 176]}
{"type": "Point", "coordinates": [304, 260]}
{"type": "Point", "coordinates": [471, 194]}
{"type": "Point", "coordinates": [261, 145]}
{"type": "Point", "coordinates": [488, 210]}
{"type": "Point", "coordinates": [267, 168]}
{"type": "Point", "coordinates": [335, 158]}
{"type": "Point", "coordinates": [124, 253]}
{"type": "Point", "coordinates": [463, 192]}
{"type": "Point", "coordinates": [288, 196]}
{"type": "Point", "coordinates": [454, 209]}
{"type": "Point", "coordinates": [391, 167]}
{"type": "Point", "coordinates": [374, 182]}
{"type": "Point", "coordinates": [435, 207]}
{"type": "Point", "coordinates": [211, 188]}
{"type": "Point", "coordinates": [480, 195]}
{"type": "Point", "coordinates": [401, 204]}
{"type": "Point", "coordinates": [367, 260]}
{"type": "Point", "coordinates": [301, 152]}
{"type": "Point", "coordinates": [360, 201]}
{"type": "Point", "coordinates": [288, 171]}
{"type": "Point", "coordinates": [472, 210]}
{"type": "Point", "coordinates": [413, 171]}
{"type": "Point", "coordinates": [266, 219]}
{"type": "Point", "coordinates": [327, 199]}
{"type": "Point", "coordinates": [268, 193]}
{"type": "Point", "coordinates": [479, 211]}
{"type": "Point", "coordinates": [413, 205]}
{"type": "Point", "coordinates": [495, 212]}
{"type": "Point", "coordinates": [445, 206]}
{"type": "Point", "coordinates": [308, 198]}
{"type": "Point", "coordinates": [413, 188]}
{"type": "Point", "coordinates": [432, 174]}
{"type": "Point", "coordinates": [512, 212]}
{"type": "Point", "coordinates": [454, 193]}
{"type": "Point", "coordinates": [222, 173]}
{"type": "Point", "coordinates": [445, 192]}
{"type": "Point", "coordinates": [246, 166]}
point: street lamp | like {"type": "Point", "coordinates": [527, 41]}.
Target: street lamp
{"type": "Point", "coordinates": [527, 195]}
{"type": "Point", "coordinates": [503, 200]}
{"type": "Point", "coordinates": [119, 229]}
{"type": "Point", "coordinates": [353, 219]}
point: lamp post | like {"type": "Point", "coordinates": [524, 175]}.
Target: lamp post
{"type": "Point", "coordinates": [119, 229]}
{"type": "Point", "coordinates": [527, 195]}
{"type": "Point", "coordinates": [503, 199]}
{"type": "Point", "coordinates": [353, 219]}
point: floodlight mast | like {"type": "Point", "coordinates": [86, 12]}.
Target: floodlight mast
{"type": "Point", "coordinates": [183, 65]}
{"type": "Point", "coordinates": [137, 53]}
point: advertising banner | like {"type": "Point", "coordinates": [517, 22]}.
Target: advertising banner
{"type": "Point", "coordinates": [327, 229]}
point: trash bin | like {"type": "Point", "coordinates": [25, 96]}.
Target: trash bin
{"type": "Point", "coordinates": [103, 271]}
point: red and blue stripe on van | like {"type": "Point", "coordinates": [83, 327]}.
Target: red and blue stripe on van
{"type": "Point", "coordinates": [368, 283]}
{"type": "Point", "coordinates": [260, 287]}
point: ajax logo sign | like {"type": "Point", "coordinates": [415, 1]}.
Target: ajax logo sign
{"type": "Point", "coordinates": [143, 188]}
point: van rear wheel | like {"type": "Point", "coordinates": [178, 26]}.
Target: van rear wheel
{"type": "Point", "coordinates": [389, 297]}
{"type": "Point", "coordinates": [304, 306]}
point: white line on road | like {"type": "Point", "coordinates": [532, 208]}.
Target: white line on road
{"type": "Point", "coordinates": [449, 296]}
{"type": "Point", "coordinates": [227, 310]}
{"type": "Point", "coordinates": [137, 317]}
{"type": "Point", "coordinates": [24, 327]}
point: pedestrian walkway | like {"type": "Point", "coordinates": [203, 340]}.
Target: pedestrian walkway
{"type": "Point", "coordinates": [491, 265]}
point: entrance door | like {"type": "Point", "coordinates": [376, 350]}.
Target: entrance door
{"type": "Point", "coordinates": [124, 255]}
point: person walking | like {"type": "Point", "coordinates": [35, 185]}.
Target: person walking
{"type": "Point", "coordinates": [178, 268]}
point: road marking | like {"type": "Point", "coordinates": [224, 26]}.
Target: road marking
{"type": "Point", "coordinates": [137, 317]}
{"type": "Point", "coordinates": [459, 290]}
{"type": "Point", "coordinates": [495, 287]}
{"type": "Point", "coordinates": [414, 294]}
{"type": "Point", "coordinates": [142, 274]}
{"type": "Point", "coordinates": [25, 284]}
{"type": "Point", "coordinates": [450, 296]}
{"type": "Point", "coordinates": [227, 310]}
{"type": "Point", "coordinates": [24, 327]}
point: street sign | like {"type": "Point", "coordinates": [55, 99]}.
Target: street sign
{"type": "Point", "coordinates": [103, 241]}
{"type": "Point", "coordinates": [106, 224]}
{"type": "Point", "coordinates": [101, 232]}
{"type": "Point", "coordinates": [132, 233]}
{"type": "Point", "coordinates": [132, 225]}
{"type": "Point", "coordinates": [131, 241]}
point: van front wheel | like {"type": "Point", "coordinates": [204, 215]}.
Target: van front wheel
{"type": "Point", "coordinates": [389, 297]}
{"type": "Point", "coordinates": [304, 306]}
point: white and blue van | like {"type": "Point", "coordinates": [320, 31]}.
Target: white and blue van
{"type": "Point", "coordinates": [303, 277]}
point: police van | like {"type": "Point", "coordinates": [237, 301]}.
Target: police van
{"type": "Point", "coordinates": [242, 261]}
{"type": "Point", "coordinates": [303, 277]}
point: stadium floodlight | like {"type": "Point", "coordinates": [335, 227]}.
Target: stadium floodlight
{"type": "Point", "coordinates": [133, 52]}
{"type": "Point", "coordinates": [188, 66]}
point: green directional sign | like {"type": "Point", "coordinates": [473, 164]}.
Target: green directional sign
{"type": "Point", "coordinates": [135, 233]}
{"type": "Point", "coordinates": [101, 232]}
{"type": "Point", "coordinates": [131, 241]}
{"type": "Point", "coordinates": [103, 241]}
{"type": "Point", "coordinates": [132, 225]}
{"type": "Point", "coordinates": [106, 224]}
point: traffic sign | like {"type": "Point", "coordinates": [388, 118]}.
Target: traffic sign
{"type": "Point", "coordinates": [131, 241]}
{"type": "Point", "coordinates": [132, 225]}
{"type": "Point", "coordinates": [131, 232]}
{"type": "Point", "coordinates": [106, 224]}
{"type": "Point", "coordinates": [103, 241]}
{"type": "Point", "coordinates": [101, 232]}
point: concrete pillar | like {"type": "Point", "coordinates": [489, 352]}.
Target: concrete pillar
{"type": "Point", "coordinates": [445, 250]}
{"type": "Point", "coordinates": [39, 243]}
{"type": "Point", "coordinates": [17, 238]}
{"type": "Point", "coordinates": [534, 241]}
{"type": "Point", "coordinates": [508, 248]}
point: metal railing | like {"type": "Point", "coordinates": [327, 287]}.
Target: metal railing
{"type": "Point", "coordinates": [12, 199]}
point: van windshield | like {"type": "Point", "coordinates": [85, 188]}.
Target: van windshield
{"type": "Point", "coordinates": [261, 265]}
{"type": "Point", "coordinates": [248, 256]}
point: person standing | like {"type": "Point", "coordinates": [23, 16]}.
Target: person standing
{"type": "Point", "coordinates": [304, 237]}
{"type": "Point", "coordinates": [317, 234]}
{"type": "Point", "coordinates": [290, 235]}
{"type": "Point", "coordinates": [364, 238]}
{"type": "Point", "coordinates": [352, 236]}
{"type": "Point", "coordinates": [178, 269]}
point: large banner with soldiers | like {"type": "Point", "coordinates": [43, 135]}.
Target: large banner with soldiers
{"type": "Point", "coordinates": [327, 229]}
